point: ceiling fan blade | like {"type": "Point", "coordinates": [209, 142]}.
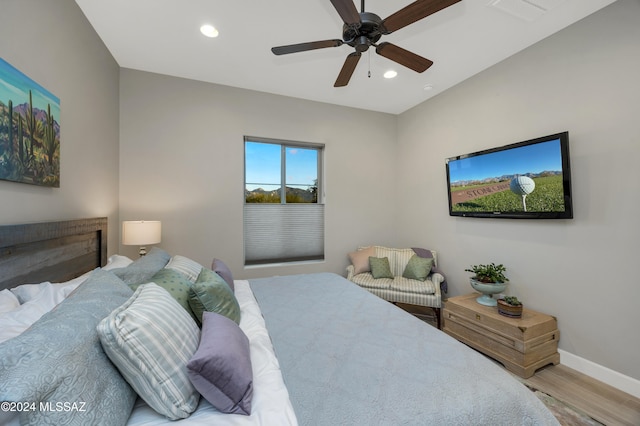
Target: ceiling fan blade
{"type": "Point", "coordinates": [301, 47]}
{"type": "Point", "coordinates": [347, 11]}
{"type": "Point", "coordinates": [403, 57]}
{"type": "Point", "coordinates": [347, 69]}
{"type": "Point", "coordinates": [414, 12]}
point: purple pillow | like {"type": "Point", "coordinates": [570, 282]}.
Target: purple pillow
{"type": "Point", "coordinates": [219, 267]}
{"type": "Point", "coordinates": [221, 367]}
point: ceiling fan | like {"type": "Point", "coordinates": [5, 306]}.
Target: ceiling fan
{"type": "Point", "coordinates": [363, 30]}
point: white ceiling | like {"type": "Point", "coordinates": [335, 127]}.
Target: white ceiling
{"type": "Point", "coordinates": [162, 36]}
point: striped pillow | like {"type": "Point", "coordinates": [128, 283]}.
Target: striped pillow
{"type": "Point", "coordinates": [186, 266]}
{"type": "Point", "coordinates": [150, 338]}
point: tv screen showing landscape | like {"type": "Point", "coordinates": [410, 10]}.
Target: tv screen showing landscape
{"type": "Point", "coordinates": [527, 179]}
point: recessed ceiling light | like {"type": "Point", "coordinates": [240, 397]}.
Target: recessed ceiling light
{"type": "Point", "coordinates": [390, 74]}
{"type": "Point", "coordinates": [209, 30]}
{"type": "Point", "coordinates": [428, 87]}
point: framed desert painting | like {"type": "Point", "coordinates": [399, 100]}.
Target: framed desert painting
{"type": "Point", "coordinates": [29, 130]}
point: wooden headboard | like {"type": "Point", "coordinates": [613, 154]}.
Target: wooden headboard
{"type": "Point", "coordinates": [51, 251]}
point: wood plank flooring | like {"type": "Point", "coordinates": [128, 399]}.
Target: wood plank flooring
{"type": "Point", "coordinates": [604, 404]}
{"type": "Point", "coordinates": [598, 400]}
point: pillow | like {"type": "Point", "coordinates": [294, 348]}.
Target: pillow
{"type": "Point", "coordinates": [221, 367]}
{"type": "Point", "coordinates": [142, 269]}
{"type": "Point", "coordinates": [380, 267]}
{"type": "Point", "coordinates": [220, 268]}
{"type": "Point", "coordinates": [69, 364]}
{"type": "Point", "coordinates": [18, 320]}
{"type": "Point", "coordinates": [150, 339]}
{"type": "Point", "coordinates": [186, 266]}
{"type": "Point", "coordinates": [117, 261]}
{"type": "Point", "coordinates": [176, 284]}
{"type": "Point", "coordinates": [212, 294]}
{"type": "Point", "coordinates": [26, 292]}
{"type": "Point", "coordinates": [418, 268]}
{"type": "Point", "coordinates": [360, 260]}
{"type": "Point", "coordinates": [8, 301]}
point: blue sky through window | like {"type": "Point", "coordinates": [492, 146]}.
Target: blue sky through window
{"type": "Point", "coordinates": [263, 166]}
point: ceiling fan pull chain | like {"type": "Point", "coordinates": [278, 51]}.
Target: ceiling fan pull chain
{"type": "Point", "coordinates": [369, 73]}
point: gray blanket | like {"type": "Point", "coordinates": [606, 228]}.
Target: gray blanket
{"type": "Point", "coordinates": [350, 358]}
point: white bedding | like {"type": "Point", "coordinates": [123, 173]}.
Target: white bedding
{"type": "Point", "coordinates": [270, 404]}
{"type": "Point", "coordinates": [35, 300]}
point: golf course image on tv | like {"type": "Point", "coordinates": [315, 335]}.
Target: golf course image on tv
{"type": "Point", "coordinates": [526, 179]}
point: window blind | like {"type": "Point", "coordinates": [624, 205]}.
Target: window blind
{"type": "Point", "coordinates": [276, 233]}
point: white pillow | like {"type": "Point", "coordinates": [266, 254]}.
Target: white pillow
{"type": "Point", "coordinates": [26, 292]}
{"type": "Point", "coordinates": [117, 261]}
{"type": "Point", "coordinates": [18, 320]}
{"type": "Point", "coordinates": [184, 265]}
{"type": "Point", "coordinates": [150, 338]}
{"type": "Point", "coordinates": [8, 301]}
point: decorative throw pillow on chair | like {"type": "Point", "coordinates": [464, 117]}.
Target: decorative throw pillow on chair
{"type": "Point", "coordinates": [418, 268]}
{"type": "Point", "coordinates": [380, 267]}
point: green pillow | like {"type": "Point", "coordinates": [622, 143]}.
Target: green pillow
{"type": "Point", "coordinates": [211, 293]}
{"type": "Point", "coordinates": [418, 268]}
{"type": "Point", "coordinates": [380, 267]}
{"type": "Point", "coordinates": [176, 284]}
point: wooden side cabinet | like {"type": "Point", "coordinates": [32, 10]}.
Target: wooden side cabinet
{"type": "Point", "coordinates": [522, 345]}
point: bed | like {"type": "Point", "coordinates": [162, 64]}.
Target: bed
{"type": "Point", "coordinates": [322, 350]}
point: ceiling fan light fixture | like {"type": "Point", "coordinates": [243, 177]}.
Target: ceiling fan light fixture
{"type": "Point", "coordinates": [209, 31]}
{"type": "Point", "coordinates": [390, 74]}
{"type": "Point", "coordinates": [361, 30]}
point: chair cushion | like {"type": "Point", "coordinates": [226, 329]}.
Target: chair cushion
{"type": "Point", "coordinates": [398, 258]}
{"type": "Point", "coordinates": [366, 280]}
{"type": "Point", "coordinates": [407, 285]}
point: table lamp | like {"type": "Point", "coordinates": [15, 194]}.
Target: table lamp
{"type": "Point", "coordinates": [140, 233]}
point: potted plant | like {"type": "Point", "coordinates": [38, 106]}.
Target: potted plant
{"type": "Point", "coordinates": [510, 306]}
{"type": "Point", "coordinates": [489, 279]}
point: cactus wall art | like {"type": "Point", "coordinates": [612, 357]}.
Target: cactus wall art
{"type": "Point", "coordinates": [29, 130]}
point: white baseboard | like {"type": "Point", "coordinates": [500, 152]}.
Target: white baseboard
{"type": "Point", "coordinates": [612, 378]}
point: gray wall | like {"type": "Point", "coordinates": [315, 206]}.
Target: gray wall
{"type": "Point", "coordinates": [584, 80]}
{"type": "Point", "coordinates": [182, 162]}
{"type": "Point", "coordinates": [53, 44]}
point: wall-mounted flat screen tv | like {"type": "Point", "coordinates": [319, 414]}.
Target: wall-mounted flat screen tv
{"type": "Point", "coordinates": [529, 179]}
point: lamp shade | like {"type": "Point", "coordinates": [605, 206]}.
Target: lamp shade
{"type": "Point", "coordinates": [141, 232]}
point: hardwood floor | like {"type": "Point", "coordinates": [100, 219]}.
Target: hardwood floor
{"type": "Point", "coordinates": [598, 400]}
{"type": "Point", "coordinates": [604, 404]}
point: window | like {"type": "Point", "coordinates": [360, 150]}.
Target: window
{"type": "Point", "coordinates": [283, 210]}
